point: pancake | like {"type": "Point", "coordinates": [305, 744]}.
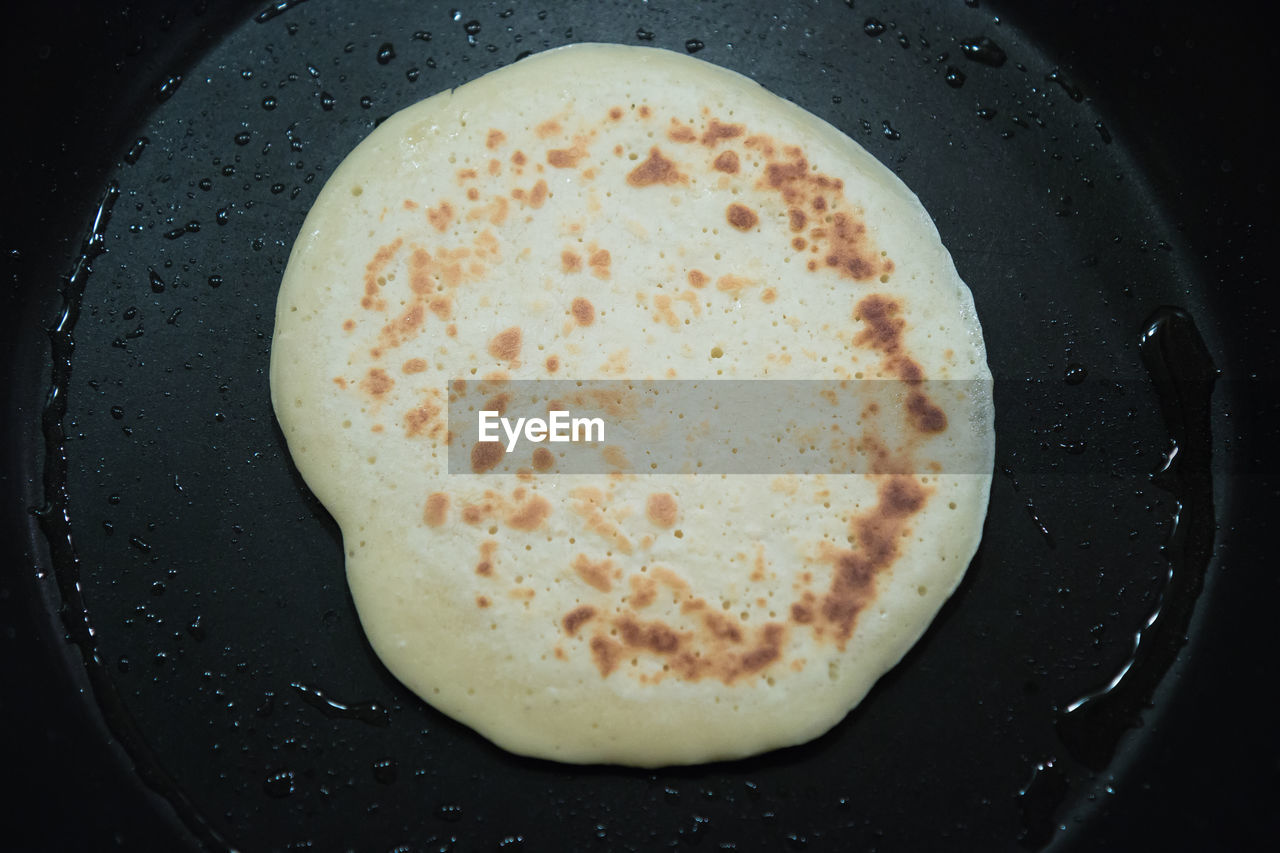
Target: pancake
{"type": "Point", "coordinates": [600, 212]}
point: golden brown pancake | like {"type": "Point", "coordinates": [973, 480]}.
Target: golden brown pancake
{"type": "Point", "coordinates": [600, 212]}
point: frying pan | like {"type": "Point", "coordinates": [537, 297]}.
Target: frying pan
{"type": "Point", "coordinates": [184, 668]}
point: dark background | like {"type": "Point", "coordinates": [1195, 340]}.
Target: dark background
{"type": "Point", "coordinates": [1198, 94]}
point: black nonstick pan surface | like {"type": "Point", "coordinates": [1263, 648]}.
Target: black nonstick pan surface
{"type": "Point", "coordinates": [183, 667]}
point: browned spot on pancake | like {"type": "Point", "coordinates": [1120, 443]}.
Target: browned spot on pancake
{"type": "Point", "coordinates": [497, 403]}
{"type": "Point", "coordinates": [538, 194]}
{"type": "Point", "coordinates": [732, 283]}
{"type": "Point", "coordinates": [655, 636]}
{"type": "Point", "coordinates": [727, 162]}
{"type": "Point", "coordinates": [883, 325]}
{"type": "Point", "coordinates": [441, 306]}
{"type": "Point", "coordinates": [410, 204]}
{"type": "Point", "coordinates": [341, 382]}
{"type": "Point", "coordinates": [476, 513]}
{"type": "Point", "coordinates": [570, 261]}
{"type": "Point", "coordinates": [519, 159]}
{"type": "Point", "coordinates": [589, 504]}
{"type": "Point", "coordinates": [605, 652]}
{"type": "Point", "coordinates": [566, 158]}
{"type": "Point", "coordinates": [681, 132]}
{"type": "Point", "coordinates": [348, 325]}
{"type": "Point", "coordinates": [925, 416]}
{"type": "Point", "coordinates": [848, 250]}
{"type": "Point", "coordinates": [495, 168]}
{"type": "Point", "coordinates": [482, 601]}
{"type": "Point", "coordinates": [505, 346]}
{"type": "Point", "coordinates": [436, 510]}
{"type": "Point", "coordinates": [697, 278]}
{"type": "Point", "coordinates": [615, 113]}
{"type": "Point", "coordinates": [376, 382]}
{"type": "Point", "coordinates": [418, 420]}
{"type": "Point", "coordinates": [643, 591]}
{"type": "Point", "coordinates": [543, 459]}
{"type": "Point", "coordinates": [798, 243]}
{"type": "Point", "coordinates": [484, 568]}
{"type": "Point", "coordinates": [802, 613]}
{"type": "Point", "coordinates": [377, 428]}
{"type": "Point", "coordinates": [661, 509]}
{"type": "Point", "coordinates": [441, 217]}
{"type": "Point", "coordinates": [553, 363]}
{"type": "Point", "coordinates": [531, 514]}
{"type": "Point", "coordinates": [598, 574]}
{"type": "Point", "coordinates": [877, 533]}
{"type": "Point", "coordinates": [766, 652]}
{"type": "Point", "coordinates": [451, 330]}
{"type": "Point", "coordinates": [655, 170]}
{"type": "Point", "coordinates": [494, 138]}
{"type": "Point", "coordinates": [473, 194]}
{"type": "Point", "coordinates": [584, 313]}
{"type": "Point", "coordinates": [372, 272]}
{"type": "Point", "coordinates": [722, 627]}
{"type": "Point", "coordinates": [716, 132]}
{"type": "Point", "coordinates": [768, 296]}
{"type": "Point", "coordinates": [485, 456]}
{"type": "Point", "coordinates": [644, 111]}
{"type": "Point", "coordinates": [741, 217]}
{"type": "Point", "coordinates": [403, 327]}
{"type": "Point", "coordinates": [599, 262]}
{"type": "Point", "coordinates": [550, 127]}
{"type": "Point", "coordinates": [663, 312]}
{"type": "Point", "coordinates": [466, 175]}
{"type": "Point", "coordinates": [575, 617]}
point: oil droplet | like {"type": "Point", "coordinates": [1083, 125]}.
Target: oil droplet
{"type": "Point", "coordinates": [955, 77]}
{"type": "Point", "coordinates": [693, 45]}
{"type": "Point", "coordinates": [268, 103]}
{"type": "Point", "coordinates": [168, 87]}
{"type": "Point", "coordinates": [1104, 133]}
{"type": "Point", "coordinates": [644, 35]}
{"type": "Point", "coordinates": [157, 283]}
{"type": "Point", "coordinates": [984, 51]}
{"type": "Point", "coordinates": [243, 138]}
{"type": "Point", "coordinates": [1075, 374]}
{"type": "Point", "coordinates": [278, 8]}
{"type": "Point", "coordinates": [386, 53]}
{"type": "Point", "coordinates": [1073, 93]}
{"type": "Point", "coordinates": [373, 713]}
{"type": "Point", "coordinates": [449, 812]}
{"type": "Point", "coordinates": [986, 114]}
{"type": "Point", "coordinates": [384, 770]}
{"type": "Point", "coordinates": [326, 101]}
{"type": "Point", "coordinates": [889, 132]}
{"type": "Point", "coordinates": [873, 27]}
{"type": "Point", "coordinates": [279, 784]}
{"type": "Point", "coordinates": [135, 150]}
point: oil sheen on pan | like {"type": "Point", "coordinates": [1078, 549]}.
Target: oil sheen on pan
{"type": "Point", "coordinates": [618, 213]}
